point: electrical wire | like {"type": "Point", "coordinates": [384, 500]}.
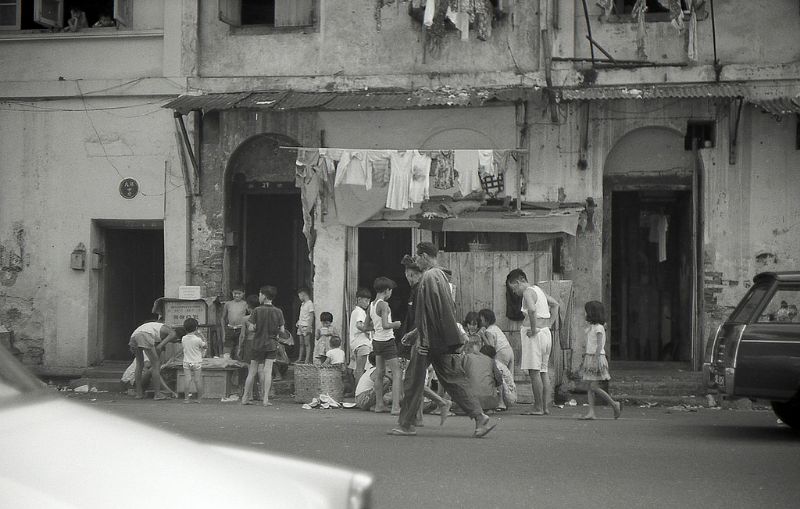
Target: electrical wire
{"type": "Point", "coordinates": [91, 123]}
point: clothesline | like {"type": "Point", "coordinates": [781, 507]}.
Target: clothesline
{"type": "Point", "coordinates": [518, 150]}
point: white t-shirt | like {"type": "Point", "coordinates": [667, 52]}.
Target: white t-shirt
{"type": "Point", "coordinates": [365, 383]}
{"type": "Point", "coordinates": [335, 356]}
{"type": "Point", "coordinates": [358, 338]}
{"type": "Point", "coordinates": [192, 348]}
{"type": "Point", "coordinates": [591, 338]}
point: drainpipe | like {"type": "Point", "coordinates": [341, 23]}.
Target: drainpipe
{"type": "Point", "coordinates": [717, 67]}
{"type": "Point", "coordinates": [182, 138]}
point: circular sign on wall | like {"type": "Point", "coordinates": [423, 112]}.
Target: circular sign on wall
{"type": "Point", "coordinates": [128, 188]}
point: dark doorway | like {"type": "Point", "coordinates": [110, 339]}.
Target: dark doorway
{"type": "Point", "coordinates": [134, 278]}
{"type": "Point", "coordinates": [379, 253]}
{"type": "Point", "coordinates": [275, 249]}
{"type": "Point", "coordinates": [651, 275]}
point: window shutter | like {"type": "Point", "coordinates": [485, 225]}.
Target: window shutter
{"type": "Point", "coordinates": [123, 12]}
{"type": "Point", "coordinates": [230, 12]}
{"type": "Point", "coordinates": [294, 13]}
{"type": "Point", "coordinates": [49, 13]}
{"type": "Point", "coordinates": [9, 15]}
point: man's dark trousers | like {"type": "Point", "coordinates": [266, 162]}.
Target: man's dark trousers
{"type": "Point", "coordinates": [449, 370]}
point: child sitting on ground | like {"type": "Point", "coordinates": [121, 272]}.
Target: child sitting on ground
{"type": "Point", "coordinates": [365, 390]}
{"type": "Point", "coordinates": [323, 337]}
{"type": "Point", "coordinates": [194, 347]}
{"type": "Point", "coordinates": [335, 355]}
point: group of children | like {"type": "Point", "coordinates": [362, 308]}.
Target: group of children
{"type": "Point", "coordinates": [255, 333]}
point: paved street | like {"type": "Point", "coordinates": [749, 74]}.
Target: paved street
{"type": "Point", "coordinates": [651, 457]}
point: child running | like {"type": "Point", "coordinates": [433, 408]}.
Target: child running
{"type": "Point", "coordinates": [194, 347]}
{"type": "Point", "coordinates": [595, 365]}
{"type": "Point", "coordinates": [305, 327]}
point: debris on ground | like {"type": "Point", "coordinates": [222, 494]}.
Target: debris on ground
{"type": "Point", "coordinates": [683, 408]}
{"type": "Point", "coordinates": [572, 402]}
{"type": "Point", "coordinates": [83, 389]}
{"type": "Point", "coordinates": [230, 399]}
{"type": "Point", "coordinates": [648, 404]}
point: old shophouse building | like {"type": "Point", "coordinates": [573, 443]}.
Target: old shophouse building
{"type": "Point", "coordinates": [653, 169]}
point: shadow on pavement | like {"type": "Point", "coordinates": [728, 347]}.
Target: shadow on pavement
{"type": "Point", "coordinates": [760, 433]}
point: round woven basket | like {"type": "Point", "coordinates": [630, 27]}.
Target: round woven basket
{"type": "Point", "coordinates": [306, 382]}
{"type": "Point", "coordinates": [330, 382]}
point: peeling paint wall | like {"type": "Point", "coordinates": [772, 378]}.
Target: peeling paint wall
{"type": "Point", "coordinates": [61, 168]}
{"type": "Point", "coordinates": [347, 41]}
{"type": "Point", "coordinates": [747, 32]}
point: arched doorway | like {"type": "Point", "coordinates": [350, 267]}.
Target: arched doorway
{"type": "Point", "coordinates": [650, 246]}
{"type": "Point", "coordinates": [264, 241]}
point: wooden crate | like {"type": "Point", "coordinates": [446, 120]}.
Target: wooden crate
{"type": "Point", "coordinates": [217, 383]}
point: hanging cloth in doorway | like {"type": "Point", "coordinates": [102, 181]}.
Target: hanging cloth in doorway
{"type": "Point", "coordinates": [659, 224]}
{"type": "Point", "coordinates": [308, 179]}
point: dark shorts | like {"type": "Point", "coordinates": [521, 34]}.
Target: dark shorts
{"type": "Point", "coordinates": [261, 356]}
{"type": "Point", "coordinates": [232, 337]}
{"type": "Point", "coordinates": [385, 349]}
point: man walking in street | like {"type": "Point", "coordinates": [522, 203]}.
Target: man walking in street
{"type": "Point", "coordinates": [437, 343]}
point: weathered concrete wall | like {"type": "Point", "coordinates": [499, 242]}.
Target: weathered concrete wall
{"type": "Point", "coordinates": [135, 52]}
{"type": "Point", "coordinates": [348, 42]}
{"type": "Point", "coordinates": [58, 173]}
{"type": "Point", "coordinates": [757, 32]}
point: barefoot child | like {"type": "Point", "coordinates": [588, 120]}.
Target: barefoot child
{"type": "Point", "coordinates": [269, 322]}
{"type": "Point", "coordinates": [335, 355]}
{"type": "Point", "coordinates": [595, 365]}
{"type": "Point", "coordinates": [233, 317]}
{"type": "Point", "coordinates": [360, 343]}
{"type": "Point", "coordinates": [305, 326]}
{"type": "Point", "coordinates": [245, 353]}
{"type": "Point", "coordinates": [383, 343]}
{"type": "Point", "coordinates": [194, 347]}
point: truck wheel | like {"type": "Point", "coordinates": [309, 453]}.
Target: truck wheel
{"type": "Point", "coordinates": [788, 412]}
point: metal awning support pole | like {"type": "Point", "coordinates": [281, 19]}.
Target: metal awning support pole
{"type": "Point", "coordinates": [190, 151]}
{"type": "Point", "coordinates": [588, 27]}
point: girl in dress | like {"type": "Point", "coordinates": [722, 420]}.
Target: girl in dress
{"type": "Point", "coordinates": [595, 365]}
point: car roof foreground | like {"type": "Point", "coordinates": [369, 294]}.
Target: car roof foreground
{"type": "Point", "coordinates": [786, 276]}
{"type": "Point", "coordinates": [58, 453]}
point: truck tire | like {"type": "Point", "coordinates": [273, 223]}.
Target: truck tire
{"type": "Point", "coordinates": [788, 412]}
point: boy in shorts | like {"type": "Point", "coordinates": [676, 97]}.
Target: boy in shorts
{"type": "Point", "coordinates": [383, 343]}
{"type": "Point", "coordinates": [268, 322]}
{"type": "Point", "coordinates": [233, 316]}
{"type": "Point", "coordinates": [360, 343]}
{"type": "Point", "coordinates": [194, 347]}
{"type": "Point", "coordinates": [305, 326]}
{"type": "Point", "coordinates": [148, 340]}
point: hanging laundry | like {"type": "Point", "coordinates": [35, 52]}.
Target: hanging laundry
{"type": "Point", "coordinates": [466, 164]}
{"type": "Point", "coordinates": [420, 178]}
{"type": "Point", "coordinates": [676, 14]}
{"type": "Point", "coordinates": [355, 204]}
{"type": "Point", "coordinates": [430, 12]}
{"type": "Point", "coordinates": [606, 5]}
{"type": "Point", "coordinates": [638, 14]}
{"type": "Point", "coordinates": [443, 170]}
{"type": "Point", "coordinates": [354, 171]}
{"type": "Point", "coordinates": [484, 13]}
{"type": "Point", "coordinates": [400, 163]}
{"type": "Point", "coordinates": [486, 162]}
{"type": "Point", "coordinates": [378, 166]}
{"type": "Point", "coordinates": [692, 48]}
{"type": "Point", "coordinates": [661, 227]}
{"type": "Point", "coordinates": [505, 163]}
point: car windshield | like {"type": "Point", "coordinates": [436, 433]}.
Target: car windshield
{"type": "Point", "coordinates": [15, 378]}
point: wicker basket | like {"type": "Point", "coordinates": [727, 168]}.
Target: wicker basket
{"type": "Point", "coordinates": [306, 382]}
{"type": "Point", "coordinates": [330, 382]}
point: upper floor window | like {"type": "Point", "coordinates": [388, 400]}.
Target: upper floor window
{"type": "Point", "coordinates": [64, 15]}
{"type": "Point", "coordinates": [656, 9]}
{"type": "Point", "coordinates": [270, 13]}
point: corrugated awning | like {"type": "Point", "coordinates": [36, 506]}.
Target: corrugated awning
{"type": "Point", "coordinates": [346, 101]}
{"type": "Point", "coordinates": [558, 221]}
{"type": "Point", "coordinates": [694, 91]}
{"type": "Point", "coordinates": [778, 106]}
